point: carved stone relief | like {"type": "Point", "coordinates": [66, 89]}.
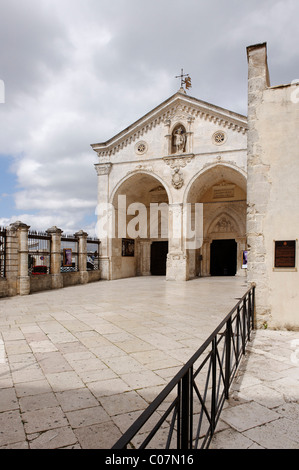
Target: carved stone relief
{"type": "Point", "coordinates": [176, 163]}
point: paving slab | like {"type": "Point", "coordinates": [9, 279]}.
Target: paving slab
{"type": "Point", "coordinates": [79, 364]}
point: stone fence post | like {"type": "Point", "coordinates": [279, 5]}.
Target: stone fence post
{"type": "Point", "coordinates": [12, 259]}
{"type": "Point", "coordinates": [82, 255]}
{"type": "Point", "coordinates": [57, 279]}
{"type": "Point", "coordinates": [23, 279]}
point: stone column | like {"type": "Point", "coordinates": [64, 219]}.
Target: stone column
{"type": "Point", "coordinates": [177, 268]}
{"type": "Point", "coordinates": [57, 279]}
{"type": "Point", "coordinates": [82, 256]}
{"type": "Point", "coordinates": [23, 277]}
{"type": "Point", "coordinates": [103, 171]}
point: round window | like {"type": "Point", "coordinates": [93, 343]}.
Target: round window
{"type": "Point", "coordinates": [141, 147]}
{"type": "Point", "coordinates": [219, 138]}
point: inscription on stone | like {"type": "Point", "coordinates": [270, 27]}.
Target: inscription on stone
{"type": "Point", "coordinates": [223, 191]}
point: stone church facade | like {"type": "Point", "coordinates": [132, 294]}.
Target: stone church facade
{"type": "Point", "coordinates": [189, 169]}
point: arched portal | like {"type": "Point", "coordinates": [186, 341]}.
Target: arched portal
{"type": "Point", "coordinates": [140, 243]}
{"type": "Point", "coordinates": [222, 191]}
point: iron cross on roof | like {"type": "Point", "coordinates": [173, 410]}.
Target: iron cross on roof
{"type": "Point", "coordinates": [184, 81]}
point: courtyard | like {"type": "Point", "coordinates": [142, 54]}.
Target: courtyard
{"type": "Point", "coordinates": [78, 365]}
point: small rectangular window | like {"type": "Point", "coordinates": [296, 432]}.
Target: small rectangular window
{"type": "Point", "coordinates": [285, 254]}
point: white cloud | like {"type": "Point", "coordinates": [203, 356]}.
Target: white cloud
{"type": "Point", "coordinates": [78, 72]}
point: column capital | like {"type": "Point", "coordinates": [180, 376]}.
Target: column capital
{"type": "Point", "coordinates": [103, 168]}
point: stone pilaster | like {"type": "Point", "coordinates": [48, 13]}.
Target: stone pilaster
{"type": "Point", "coordinates": [103, 171]}
{"type": "Point", "coordinates": [177, 266]}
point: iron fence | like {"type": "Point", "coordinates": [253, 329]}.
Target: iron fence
{"type": "Point", "coordinates": [69, 254]}
{"type": "Point", "coordinates": [2, 252]}
{"type": "Point", "coordinates": [39, 253]}
{"type": "Point", "coordinates": [93, 254]}
{"type": "Point", "coordinates": [185, 414]}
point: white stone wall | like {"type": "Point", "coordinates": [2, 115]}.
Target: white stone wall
{"type": "Point", "coordinates": [273, 194]}
{"type": "Point", "coordinates": [145, 149]}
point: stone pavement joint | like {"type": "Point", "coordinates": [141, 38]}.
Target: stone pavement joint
{"type": "Point", "coordinates": [79, 365]}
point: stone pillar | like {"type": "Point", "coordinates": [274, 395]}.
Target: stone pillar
{"type": "Point", "coordinates": [12, 259]}
{"type": "Point", "coordinates": [23, 277]}
{"type": "Point", "coordinates": [82, 255]}
{"type": "Point", "coordinates": [103, 171]}
{"type": "Point", "coordinates": [259, 184]}
{"type": "Point", "coordinates": [177, 268]}
{"type": "Point", "coordinates": [57, 279]}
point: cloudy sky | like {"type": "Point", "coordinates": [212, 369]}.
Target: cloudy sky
{"type": "Point", "coordinates": [77, 72]}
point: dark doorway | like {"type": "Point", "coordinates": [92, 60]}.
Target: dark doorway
{"type": "Point", "coordinates": [159, 252]}
{"type": "Point", "coordinates": [223, 258]}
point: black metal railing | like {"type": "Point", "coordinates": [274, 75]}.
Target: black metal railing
{"type": "Point", "coordinates": [187, 410]}
{"type": "Point", "coordinates": [93, 254]}
{"type": "Point", "coordinates": [69, 254]}
{"type": "Point", "coordinates": [2, 252]}
{"type": "Point", "coordinates": [39, 253]}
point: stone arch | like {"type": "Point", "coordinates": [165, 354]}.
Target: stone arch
{"type": "Point", "coordinates": [223, 223]}
{"type": "Point", "coordinates": [221, 188]}
{"type": "Point", "coordinates": [138, 224]}
{"type": "Point", "coordinates": [140, 172]}
{"type": "Point", "coordinates": [238, 175]}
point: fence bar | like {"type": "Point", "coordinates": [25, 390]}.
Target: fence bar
{"type": "Point", "coordinates": [186, 411]}
{"type": "Point", "coordinates": [228, 339]}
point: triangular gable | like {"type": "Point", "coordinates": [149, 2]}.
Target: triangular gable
{"type": "Point", "coordinates": [174, 107]}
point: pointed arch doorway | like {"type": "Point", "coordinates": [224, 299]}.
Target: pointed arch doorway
{"type": "Point", "coordinates": [222, 191]}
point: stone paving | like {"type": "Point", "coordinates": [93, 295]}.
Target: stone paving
{"type": "Point", "coordinates": [263, 409]}
{"type": "Point", "coordinates": [78, 365]}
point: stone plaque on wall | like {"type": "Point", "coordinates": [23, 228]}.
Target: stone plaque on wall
{"type": "Point", "coordinates": [223, 191]}
{"type": "Point", "coordinates": [285, 254]}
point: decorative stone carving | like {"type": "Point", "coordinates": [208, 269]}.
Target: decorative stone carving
{"type": "Point", "coordinates": [177, 179]}
{"type": "Point", "coordinates": [176, 163]}
{"type": "Point", "coordinates": [103, 168]}
{"type": "Point", "coordinates": [224, 225]}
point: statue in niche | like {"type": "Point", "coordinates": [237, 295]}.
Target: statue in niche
{"type": "Point", "coordinates": [179, 140]}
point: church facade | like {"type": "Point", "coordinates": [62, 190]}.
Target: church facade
{"type": "Point", "coordinates": [173, 193]}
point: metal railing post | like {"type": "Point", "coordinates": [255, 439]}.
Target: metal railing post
{"type": "Point", "coordinates": [213, 401]}
{"type": "Point", "coordinates": [244, 327]}
{"type": "Point", "coordinates": [185, 416]}
{"type": "Point", "coordinates": [228, 335]}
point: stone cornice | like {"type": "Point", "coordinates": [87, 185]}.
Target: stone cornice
{"type": "Point", "coordinates": [179, 106]}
